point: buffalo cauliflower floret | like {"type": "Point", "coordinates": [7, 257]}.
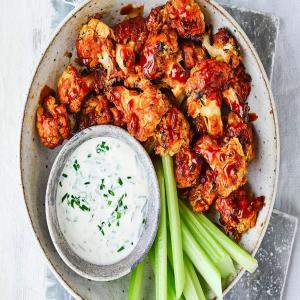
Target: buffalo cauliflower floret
{"type": "Point", "coordinates": [52, 123]}
{"type": "Point", "coordinates": [226, 160]}
{"type": "Point", "coordinates": [237, 127]}
{"type": "Point", "coordinates": [142, 110]}
{"type": "Point", "coordinates": [202, 196]}
{"type": "Point", "coordinates": [238, 212]}
{"type": "Point", "coordinates": [173, 133]}
{"type": "Point", "coordinates": [192, 54]}
{"type": "Point", "coordinates": [156, 19]}
{"type": "Point", "coordinates": [205, 86]}
{"type": "Point", "coordinates": [186, 17]}
{"type": "Point", "coordinates": [224, 47]}
{"type": "Point", "coordinates": [160, 60]}
{"type": "Point", "coordinates": [187, 167]}
{"type": "Point", "coordinates": [209, 108]}
{"type": "Point", "coordinates": [73, 88]}
{"type": "Point", "coordinates": [95, 47]}
{"type": "Point", "coordinates": [130, 36]}
{"type": "Point", "coordinates": [96, 111]}
{"type": "Point", "coordinates": [238, 90]}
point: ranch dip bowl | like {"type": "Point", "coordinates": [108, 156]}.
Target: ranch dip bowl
{"type": "Point", "coordinates": [102, 203]}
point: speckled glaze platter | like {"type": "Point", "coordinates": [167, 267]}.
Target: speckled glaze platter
{"type": "Point", "coordinates": [36, 161]}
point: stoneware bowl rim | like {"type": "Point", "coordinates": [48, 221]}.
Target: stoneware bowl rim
{"type": "Point", "coordinates": [243, 35]}
{"type": "Point", "coordinates": [77, 264]}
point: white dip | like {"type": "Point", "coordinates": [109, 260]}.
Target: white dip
{"type": "Point", "coordinates": [101, 200]}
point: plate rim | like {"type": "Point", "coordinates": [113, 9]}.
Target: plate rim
{"type": "Point", "coordinates": [274, 115]}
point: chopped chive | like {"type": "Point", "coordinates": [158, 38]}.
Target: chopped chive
{"type": "Point", "coordinates": [118, 215]}
{"type": "Point", "coordinates": [84, 207]}
{"type": "Point", "coordinates": [103, 147]}
{"type": "Point", "coordinates": [121, 248]}
{"type": "Point", "coordinates": [120, 202]}
{"type": "Point", "coordinates": [109, 202]}
{"type": "Point", "coordinates": [100, 229]}
{"type": "Point", "coordinates": [125, 207]}
{"type": "Point", "coordinates": [120, 181]}
{"type": "Point", "coordinates": [109, 224]}
{"type": "Point", "coordinates": [105, 195]}
{"type": "Point", "coordinates": [144, 221]}
{"type": "Point", "coordinates": [65, 175]}
{"type": "Point", "coordinates": [89, 155]}
{"type": "Point", "coordinates": [118, 224]}
{"type": "Point", "coordinates": [111, 192]}
{"type": "Point", "coordinates": [60, 184]}
{"type": "Point", "coordinates": [102, 185]}
{"type": "Point", "coordinates": [87, 183]}
{"type": "Point", "coordinates": [66, 195]}
{"type": "Point", "coordinates": [129, 177]}
{"type": "Point", "coordinates": [76, 165]}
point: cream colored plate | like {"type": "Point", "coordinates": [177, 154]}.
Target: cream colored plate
{"type": "Point", "coordinates": [36, 161]}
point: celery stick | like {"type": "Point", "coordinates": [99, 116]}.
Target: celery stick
{"type": "Point", "coordinates": [201, 261]}
{"type": "Point", "coordinates": [217, 254]}
{"type": "Point", "coordinates": [136, 282]}
{"type": "Point", "coordinates": [171, 284]}
{"type": "Point", "coordinates": [192, 289]}
{"type": "Point", "coordinates": [174, 223]}
{"type": "Point", "coordinates": [170, 277]}
{"type": "Point", "coordinates": [161, 240]}
{"type": "Point", "coordinates": [241, 256]}
{"type": "Point", "coordinates": [193, 278]}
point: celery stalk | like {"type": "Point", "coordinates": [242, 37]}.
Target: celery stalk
{"type": "Point", "coordinates": [170, 277]}
{"type": "Point", "coordinates": [136, 282]}
{"type": "Point", "coordinates": [192, 289]}
{"type": "Point", "coordinates": [192, 276]}
{"type": "Point", "coordinates": [216, 253]}
{"type": "Point", "coordinates": [241, 256]}
{"type": "Point", "coordinates": [161, 240]}
{"type": "Point", "coordinates": [201, 261]}
{"type": "Point", "coordinates": [174, 224]}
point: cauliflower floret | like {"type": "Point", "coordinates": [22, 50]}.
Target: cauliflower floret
{"type": "Point", "coordinates": [95, 47]}
{"type": "Point", "coordinates": [202, 196]}
{"type": "Point", "coordinates": [187, 167]}
{"type": "Point", "coordinates": [142, 110]}
{"type": "Point", "coordinates": [224, 47]}
{"type": "Point", "coordinates": [73, 88]}
{"type": "Point", "coordinates": [209, 108]}
{"type": "Point", "coordinates": [192, 54]}
{"type": "Point", "coordinates": [160, 60]}
{"type": "Point", "coordinates": [226, 160]}
{"type": "Point", "coordinates": [173, 133]}
{"type": "Point", "coordinates": [156, 19]}
{"type": "Point", "coordinates": [186, 17]}
{"type": "Point", "coordinates": [238, 212]}
{"type": "Point", "coordinates": [238, 90]}
{"type": "Point", "coordinates": [130, 36]}
{"type": "Point", "coordinates": [204, 87]}
{"type": "Point", "coordinates": [96, 111]}
{"type": "Point", "coordinates": [52, 122]}
{"type": "Point", "coordinates": [159, 49]}
{"type": "Point", "coordinates": [132, 30]}
{"type": "Point", "coordinates": [237, 127]}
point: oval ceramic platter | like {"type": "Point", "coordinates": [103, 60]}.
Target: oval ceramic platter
{"type": "Point", "coordinates": [36, 161]}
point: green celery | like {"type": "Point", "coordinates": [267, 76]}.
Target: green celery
{"type": "Point", "coordinates": [241, 256]}
{"type": "Point", "coordinates": [136, 282]}
{"type": "Point", "coordinates": [201, 261]}
{"type": "Point", "coordinates": [192, 276]}
{"type": "Point", "coordinates": [174, 224]}
{"type": "Point", "coordinates": [218, 255]}
{"type": "Point", "coordinates": [161, 240]}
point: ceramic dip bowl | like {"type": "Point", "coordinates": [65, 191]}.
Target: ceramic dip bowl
{"type": "Point", "coordinates": [124, 266]}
